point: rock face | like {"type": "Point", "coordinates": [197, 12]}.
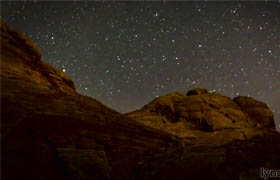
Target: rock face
{"type": "Point", "coordinates": [49, 131]}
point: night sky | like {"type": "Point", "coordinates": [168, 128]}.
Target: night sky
{"type": "Point", "coordinates": [127, 53]}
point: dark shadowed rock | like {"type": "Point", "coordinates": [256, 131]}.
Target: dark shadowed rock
{"type": "Point", "coordinates": [84, 163]}
{"type": "Point", "coordinates": [197, 91]}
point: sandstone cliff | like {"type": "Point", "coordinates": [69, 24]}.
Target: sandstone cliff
{"type": "Point", "coordinates": [49, 131]}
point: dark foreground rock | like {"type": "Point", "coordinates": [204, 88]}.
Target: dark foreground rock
{"type": "Point", "coordinates": [49, 131]}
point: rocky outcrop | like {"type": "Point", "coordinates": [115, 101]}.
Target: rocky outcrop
{"type": "Point", "coordinates": [186, 114]}
{"type": "Point", "coordinates": [21, 59]}
{"type": "Point", "coordinates": [48, 131]}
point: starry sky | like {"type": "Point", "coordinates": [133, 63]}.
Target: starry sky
{"type": "Point", "coordinates": [127, 53]}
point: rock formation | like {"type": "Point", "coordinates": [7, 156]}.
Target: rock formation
{"type": "Point", "coordinates": [49, 131]}
{"type": "Point", "coordinates": [200, 111]}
